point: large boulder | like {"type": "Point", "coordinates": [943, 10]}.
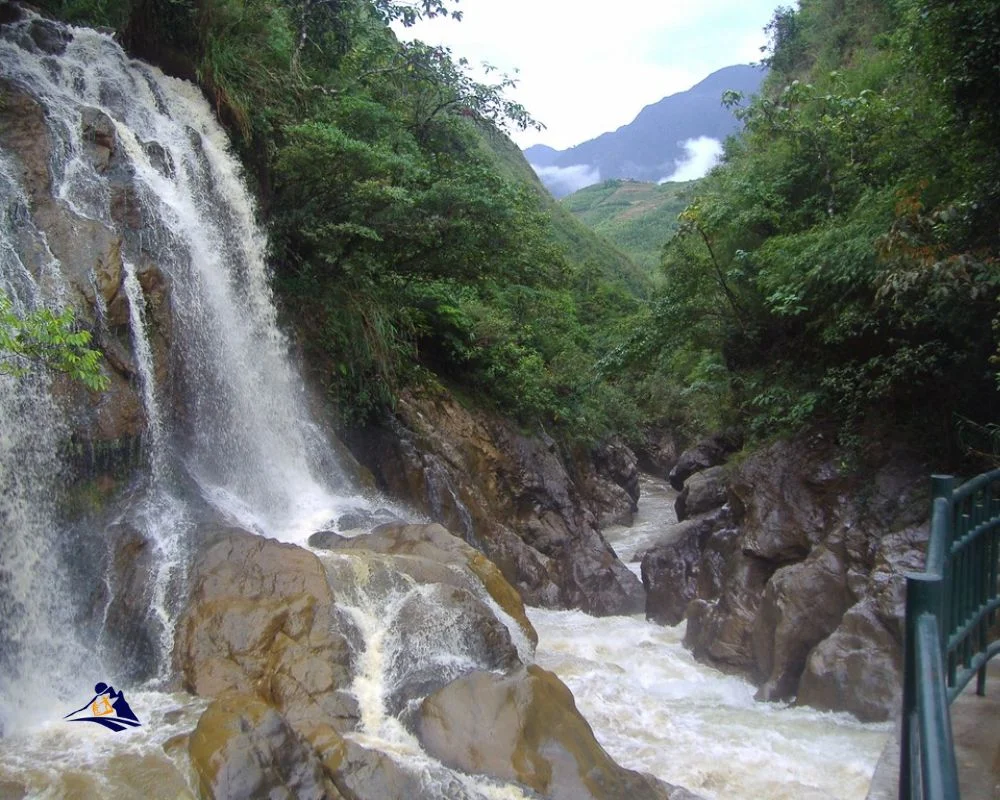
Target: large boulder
{"type": "Point", "coordinates": [261, 620]}
{"type": "Point", "coordinates": [508, 494]}
{"type": "Point", "coordinates": [242, 749]}
{"type": "Point", "coordinates": [657, 452]}
{"type": "Point", "coordinates": [525, 728]}
{"type": "Point", "coordinates": [432, 548]}
{"type": "Point", "coordinates": [703, 492]}
{"type": "Point", "coordinates": [671, 569]}
{"type": "Point", "coordinates": [791, 621]}
{"type": "Point", "coordinates": [610, 480]}
{"type": "Point", "coordinates": [859, 667]}
{"type": "Point", "coordinates": [709, 452]}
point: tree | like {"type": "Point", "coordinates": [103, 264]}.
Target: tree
{"type": "Point", "coordinates": [49, 338]}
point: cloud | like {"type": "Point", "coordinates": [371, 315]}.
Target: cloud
{"type": "Point", "coordinates": [605, 63]}
{"type": "Point", "coordinates": [566, 180]}
{"type": "Point", "coordinates": [703, 153]}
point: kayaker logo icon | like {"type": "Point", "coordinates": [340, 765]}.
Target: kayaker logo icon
{"type": "Point", "coordinates": [108, 708]}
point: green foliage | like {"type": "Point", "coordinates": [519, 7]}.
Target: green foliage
{"type": "Point", "coordinates": [843, 263]}
{"type": "Point", "coordinates": [636, 217]}
{"type": "Point", "coordinates": [49, 338]}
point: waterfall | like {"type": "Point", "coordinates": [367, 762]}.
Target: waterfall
{"type": "Point", "coordinates": [224, 409]}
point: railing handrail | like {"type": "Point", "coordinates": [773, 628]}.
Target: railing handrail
{"type": "Point", "coordinates": [950, 607]}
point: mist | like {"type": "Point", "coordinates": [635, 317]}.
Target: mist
{"type": "Point", "coordinates": [566, 180]}
{"type": "Point", "coordinates": [702, 154]}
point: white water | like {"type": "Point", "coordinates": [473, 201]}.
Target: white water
{"type": "Point", "coordinates": [655, 709]}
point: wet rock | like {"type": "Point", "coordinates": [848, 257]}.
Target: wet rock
{"type": "Point", "coordinates": [858, 668]}
{"type": "Point", "coordinates": [467, 636]}
{"type": "Point", "coordinates": [657, 452]}
{"type": "Point", "coordinates": [612, 486]}
{"type": "Point", "coordinates": [131, 627]}
{"type": "Point", "coordinates": [671, 570]}
{"type": "Point", "coordinates": [49, 37]}
{"type": "Point", "coordinates": [525, 728]}
{"type": "Point", "coordinates": [788, 497]}
{"type": "Point", "coordinates": [709, 452]}
{"type": "Point", "coordinates": [261, 620]}
{"type": "Point", "coordinates": [327, 540]}
{"type": "Point", "coordinates": [803, 604]}
{"type": "Point", "coordinates": [100, 137]}
{"type": "Point", "coordinates": [721, 632]}
{"type": "Point", "coordinates": [435, 548]}
{"type": "Point", "coordinates": [243, 749]}
{"type": "Point", "coordinates": [507, 494]}
{"type": "Point", "coordinates": [703, 491]}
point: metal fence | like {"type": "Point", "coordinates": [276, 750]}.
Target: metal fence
{"type": "Point", "coordinates": [950, 612]}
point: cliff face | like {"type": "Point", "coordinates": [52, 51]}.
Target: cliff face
{"type": "Point", "coordinates": [790, 569]}
{"type": "Point", "coordinates": [531, 510]}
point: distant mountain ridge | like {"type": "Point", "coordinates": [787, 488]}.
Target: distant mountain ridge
{"type": "Point", "coordinates": [650, 147]}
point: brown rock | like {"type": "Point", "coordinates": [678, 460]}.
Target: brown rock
{"type": "Point", "coordinates": [508, 495]}
{"type": "Point", "coordinates": [857, 669]}
{"type": "Point", "coordinates": [803, 604]}
{"type": "Point", "coordinates": [436, 547]}
{"type": "Point", "coordinates": [525, 728]}
{"type": "Point", "coordinates": [709, 452]}
{"type": "Point", "coordinates": [671, 570]}
{"type": "Point", "coordinates": [243, 749]}
{"type": "Point", "coordinates": [261, 620]}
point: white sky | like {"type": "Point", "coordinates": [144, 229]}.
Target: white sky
{"type": "Point", "coordinates": [588, 67]}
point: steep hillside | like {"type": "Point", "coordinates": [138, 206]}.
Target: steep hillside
{"type": "Point", "coordinates": [584, 246]}
{"type": "Point", "coordinates": [650, 147]}
{"type": "Point", "coordinates": [842, 263]}
{"type": "Point", "coordinates": [636, 217]}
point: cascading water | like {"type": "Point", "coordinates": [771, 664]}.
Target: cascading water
{"type": "Point", "coordinates": [234, 418]}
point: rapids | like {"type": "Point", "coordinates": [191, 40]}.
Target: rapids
{"type": "Point", "coordinates": [654, 708]}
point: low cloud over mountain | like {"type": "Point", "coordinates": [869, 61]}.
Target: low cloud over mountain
{"type": "Point", "coordinates": [679, 138]}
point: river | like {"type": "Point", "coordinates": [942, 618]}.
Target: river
{"type": "Point", "coordinates": [654, 708]}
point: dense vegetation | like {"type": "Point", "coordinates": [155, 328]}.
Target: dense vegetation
{"type": "Point", "coordinates": [841, 265]}
{"type": "Point", "coordinates": [637, 217]}
{"type": "Point", "coordinates": [408, 242]}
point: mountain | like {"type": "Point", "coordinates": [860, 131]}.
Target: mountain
{"type": "Point", "coordinates": [636, 217]}
{"type": "Point", "coordinates": [651, 146]}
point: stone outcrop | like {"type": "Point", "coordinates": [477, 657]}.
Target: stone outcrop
{"type": "Point", "coordinates": [508, 494]}
{"type": "Point", "coordinates": [433, 548]}
{"type": "Point", "coordinates": [612, 484]}
{"type": "Point", "coordinates": [709, 452]}
{"type": "Point", "coordinates": [107, 425]}
{"type": "Point", "coordinates": [703, 491]}
{"type": "Point", "coordinates": [261, 620]}
{"type": "Point", "coordinates": [525, 728]}
{"type": "Point", "coordinates": [243, 749]}
{"type": "Point", "coordinates": [796, 581]}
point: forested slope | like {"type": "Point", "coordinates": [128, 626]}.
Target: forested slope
{"type": "Point", "coordinates": [635, 216]}
{"type": "Point", "coordinates": [410, 240]}
{"type": "Point", "coordinates": [841, 265]}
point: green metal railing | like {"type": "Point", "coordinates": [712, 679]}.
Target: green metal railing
{"type": "Point", "coordinates": [950, 610]}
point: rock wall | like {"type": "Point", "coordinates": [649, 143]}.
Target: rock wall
{"type": "Point", "coordinates": [106, 426]}
{"type": "Point", "coordinates": [789, 567]}
{"type": "Point", "coordinates": [512, 496]}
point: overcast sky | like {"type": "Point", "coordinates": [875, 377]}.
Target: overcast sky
{"type": "Point", "coordinates": [588, 67]}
